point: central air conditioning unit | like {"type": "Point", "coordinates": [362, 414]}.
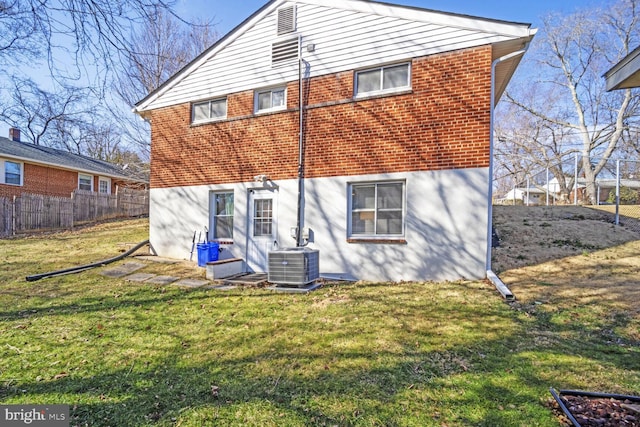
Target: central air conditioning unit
{"type": "Point", "coordinates": [294, 266]}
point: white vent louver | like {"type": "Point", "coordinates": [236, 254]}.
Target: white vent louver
{"type": "Point", "coordinates": [285, 51]}
{"type": "Point", "coordinates": [286, 20]}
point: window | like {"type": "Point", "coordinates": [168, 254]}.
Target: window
{"type": "Point", "coordinates": [383, 80]}
{"type": "Point", "coordinates": [377, 209]}
{"type": "Point", "coordinates": [271, 99]}
{"type": "Point", "coordinates": [223, 216]}
{"type": "Point", "coordinates": [263, 217]}
{"type": "Point", "coordinates": [12, 173]}
{"type": "Point", "coordinates": [85, 182]}
{"type": "Point", "coordinates": [104, 185]}
{"type": "Point", "coordinates": [214, 109]}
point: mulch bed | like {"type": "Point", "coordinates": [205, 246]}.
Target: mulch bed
{"type": "Point", "coordinates": [599, 411]}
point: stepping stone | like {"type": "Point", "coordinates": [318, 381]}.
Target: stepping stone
{"type": "Point", "coordinates": [192, 283]}
{"type": "Point", "coordinates": [162, 280]}
{"type": "Point", "coordinates": [139, 277]}
{"type": "Point", "coordinates": [158, 259]}
{"type": "Point", "coordinates": [123, 270]}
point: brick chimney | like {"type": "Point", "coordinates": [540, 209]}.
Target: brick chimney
{"type": "Point", "coordinates": [14, 134]}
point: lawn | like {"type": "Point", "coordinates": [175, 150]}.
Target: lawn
{"type": "Point", "coordinates": [363, 354]}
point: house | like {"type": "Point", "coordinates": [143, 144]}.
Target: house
{"type": "Point", "coordinates": [34, 169]}
{"type": "Point", "coordinates": [524, 196]}
{"type": "Point", "coordinates": [626, 73]}
{"type": "Point", "coordinates": [357, 128]}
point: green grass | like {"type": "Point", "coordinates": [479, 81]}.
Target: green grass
{"type": "Point", "coordinates": [405, 354]}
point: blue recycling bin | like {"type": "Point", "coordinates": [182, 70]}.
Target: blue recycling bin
{"type": "Point", "coordinates": [203, 254]}
{"type": "Point", "coordinates": [207, 252]}
{"type": "Point", "coordinates": [213, 251]}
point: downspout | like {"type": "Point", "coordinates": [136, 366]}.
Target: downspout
{"type": "Point", "coordinates": [299, 224]}
{"type": "Point", "coordinates": [502, 288]}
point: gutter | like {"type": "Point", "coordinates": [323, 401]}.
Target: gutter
{"type": "Point", "coordinates": [491, 276]}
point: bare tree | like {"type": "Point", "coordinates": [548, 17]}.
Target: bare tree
{"type": "Point", "coordinates": [160, 48]}
{"type": "Point", "coordinates": [78, 39]}
{"type": "Point", "coordinates": [576, 110]}
{"type": "Point", "coordinates": [40, 113]}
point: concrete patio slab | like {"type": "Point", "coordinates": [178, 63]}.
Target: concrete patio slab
{"type": "Point", "coordinates": [139, 277]}
{"type": "Point", "coordinates": [295, 290]}
{"type": "Point", "coordinates": [191, 283]}
{"type": "Point", "coordinates": [162, 280]}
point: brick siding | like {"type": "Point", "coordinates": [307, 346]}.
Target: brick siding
{"type": "Point", "coordinates": [49, 181]}
{"type": "Point", "coordinates": [441, 123]}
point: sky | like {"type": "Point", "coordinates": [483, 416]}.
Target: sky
{"type": "Point", "coordinates": [228, 14]}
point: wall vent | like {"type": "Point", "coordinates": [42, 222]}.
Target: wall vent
{"type": "Point", "coordinates": [284, 51]}
{"type": "Point", "coordinates": [287, 20]}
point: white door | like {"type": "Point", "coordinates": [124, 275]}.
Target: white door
{"type": "Point", "coordinates": [263, 228]}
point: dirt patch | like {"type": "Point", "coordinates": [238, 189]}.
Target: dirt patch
{"type": "Point", "coordinates": [567, 253]}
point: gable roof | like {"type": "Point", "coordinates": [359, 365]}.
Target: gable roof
{"type": "Point", "coordinates": [47, 156]}
{"type": "Point", "coordinates": [429, 32]}
{"type": "Point", "coordinates": [626, 73]}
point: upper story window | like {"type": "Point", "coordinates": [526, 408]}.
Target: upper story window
{"type": "Point", "coordinates": [85, 182]}
{"type": "Point", "coordinates": [104, 185]}
{"type": "Point", "coordinates": [213, 109]}
{"type": "Point", "coordinates": [12, 173]}
{"type": "Point", "coordinates": [391, 78]}
{"type": "Point", "coordinates": [376, 209]}
{"type": "Point", "coordinates": [270, 99]}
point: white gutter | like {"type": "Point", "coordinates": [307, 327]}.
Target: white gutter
{"type": "Point", "coordinates": [502, 288]}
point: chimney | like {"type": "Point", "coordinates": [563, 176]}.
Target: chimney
{"type": "Point", "coordinates": [14, 134]}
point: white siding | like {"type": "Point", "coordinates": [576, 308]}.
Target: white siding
{"type": "Point", "coordinates": [345, 39]}
{"type": "Point", "coordinates": [446, 225]}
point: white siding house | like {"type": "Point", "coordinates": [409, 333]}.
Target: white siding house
{"type": "Point", "coordinates": [395, 183]}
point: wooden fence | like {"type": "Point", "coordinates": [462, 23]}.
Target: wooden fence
{"type": "Point", "coordinates": [32, 212]}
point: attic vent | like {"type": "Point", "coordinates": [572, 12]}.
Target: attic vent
{"type": "Point", "coordinates": [287, 20]}
{"type": "Point", "coordinates": [284, 51]}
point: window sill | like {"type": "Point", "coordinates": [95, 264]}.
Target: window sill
{"type": "Point", "coordinates": [206, 122]}
{"type": "Point", "coordinates": [269, 111]}
{"type": "Point", "coordinates": [373, 95]}
{"type": "Point", "coordinates": [378, 241]}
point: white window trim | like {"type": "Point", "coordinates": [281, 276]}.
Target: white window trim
{"type": "Point", "coordinates": [269, 110]}
{"type": "Point", "coordinates": [351, 235]}
{"type": "Point", "coordinates": [85, 175]}
{"type": "Point", "coordinates": [3, 176]}
{"type": "Point", "coordinates": [214, 216]}
{"type": "Point", "coordinates": [108, 181]}
{"type": "Point", "coordinates": [209, 119]}
{"type": "Point", "coordinates": [382, 91]}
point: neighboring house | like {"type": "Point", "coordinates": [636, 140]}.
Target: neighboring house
{"type": "Point", "coordinates": [604, 188]}
{"type": "Point", "coordinates": [387, 171]}
{"type": "Point", "coordinates": [626, 73]}
{"type": "Point", "coordinates": [524, 196]}
{"type": "Point", "coordinates": [34, 169]}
